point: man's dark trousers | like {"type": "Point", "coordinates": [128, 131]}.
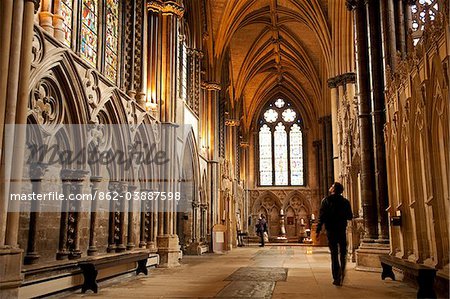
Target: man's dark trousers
{"type": "Point", "coordinates": [337, 242]}
{"type": "Point", "coordinates": [261, 234]}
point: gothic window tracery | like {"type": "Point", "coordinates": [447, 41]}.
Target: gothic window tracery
{"type": "Point", "coordinates": [422, 11]}
{"type": "Point", "coordinates": [280, 145]}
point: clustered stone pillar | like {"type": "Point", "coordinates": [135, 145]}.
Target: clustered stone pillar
{"type": "Point", "coordinates": [365, 125]}
{"type": "Point", "coordinates": [371, 117]}
{"type": "Point", "coordinates": [211, 137]}
{"type": "Point", "coordinates": [163, 19]}
{"type": "Point", "coordinates": [340, 88]}
{"type": "Point", "coordinates": [16, 20]}
{"type": "Point", "coordinates": [379, 118]}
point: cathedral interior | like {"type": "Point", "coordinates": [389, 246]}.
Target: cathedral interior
{"type": "Point", "coordinates": [237, 109]}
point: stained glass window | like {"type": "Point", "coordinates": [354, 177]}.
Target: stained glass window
{"type": "Point", "coordinates": [271, 116]}
{"type": "Point", "coordinates": [112, 38]}
{"type": "Point", "coordinates": [289, 115]}
{"type": "Point", "coordinates": [67, 14]}
{"type": "Point", "coordinates": [279, 103]}
{"type": "Point", "coordinates": [281, 160]}
{"type": "Point", "coordinates": [296, 151]}
{"type": "Point", "coordinates": [265, 155]}
{"type": "Point", "coordinates": [281, 157]}
{"type": "Point", "coordinates": [89, 31]}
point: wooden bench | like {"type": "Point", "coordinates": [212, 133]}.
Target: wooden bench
{"type": "Point", "coordinates": [425, 275]}
{"type": "Point", "coordinates": [91, 266]}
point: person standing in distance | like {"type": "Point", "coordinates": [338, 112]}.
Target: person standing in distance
{"type": "Point", "coordinates": [335, 210]}
{"type": "Point", "coordinates": [261, 228]}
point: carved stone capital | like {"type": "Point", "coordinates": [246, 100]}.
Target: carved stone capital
{"type": "Point", "coordinates": [211, 86]}
{"type": "Point", "coordinates": [232, 122]}
{"type": "Point", "coordinates": [37, 171]}
{"type": "Point", "coordinates": [166, 7]}
{"type": "Point", "coordinates": [342, 79]}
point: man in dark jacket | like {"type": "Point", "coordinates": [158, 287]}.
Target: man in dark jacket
{"type": "Point", "coordinates": [261, 228]}
{"type": "Point", "coordinates": [335, 210]}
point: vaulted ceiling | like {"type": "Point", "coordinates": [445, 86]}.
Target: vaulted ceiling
{"type": "Point", "coordinates": [276, 48]}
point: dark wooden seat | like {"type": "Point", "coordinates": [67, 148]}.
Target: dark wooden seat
{"type": "Point", "coordinates": [425, 275]}
{"type": "Point", "coordinates": [91, 266]}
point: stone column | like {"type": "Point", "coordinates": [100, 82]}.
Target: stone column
{"type": "Point", "coordinates": [131, 89]}
{"type": "Point", "coordinates": [37, 172]}
{"type": "Point", "coordinates": [21, 114]}
{"type": "Point", "coordinates": [387, 8]}
{"type": "Point", "coordinates": [46, 16]}
{"type": "Point", "coordinates": [120, 217]}
{"type": "Point", "coordinates": [165, 15]}
{"type": "Point", "coordinates": [95, 182]}
{"type": "Point", "coordinates": [6, 21]}
{"type": "Point", "coordinates": [62, 253]}
{"type": "Point", "coordinates": [212, 142]}
{"type": "Point", "coordinates": [111, 222]}
{"type": "Point", "coordinates": [379, 117]}
{"type": "Point", "coordinates": [130, 228]}
{"type": "Point", "coordinates": [73, 233]}
{"type": "Point", "coordinates": [401, 29]}
{"type": "Point", "coordinates": [329, 153]}
{"type": "Point", "coordinates": [325, 185]}
{"type": "Point", "coordinates": [332, 84]}
{"type": "Point", "coordinates": [318, 151]}
{"type": "Point", "coordinates": [58, 21]}
{"type": "Point", "coordinates": [365, 124]}
{"type": "Point", "coordinates": [9, 82]}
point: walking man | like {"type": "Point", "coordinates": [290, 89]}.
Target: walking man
{"type": "Point", "coordinates": [261, 228]}
{"type": "Point", "coordinates": [335, 210]}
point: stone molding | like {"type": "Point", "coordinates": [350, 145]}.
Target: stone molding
{"type": "Point", "coordinates": [211, 86]}
{"type": "Point", "coordinates": [166, 7]}
{"type": "Point", "coordinates": [341, 80]}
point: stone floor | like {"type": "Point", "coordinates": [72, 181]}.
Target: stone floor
{"type": "Point", "coordinates": [253, 272]}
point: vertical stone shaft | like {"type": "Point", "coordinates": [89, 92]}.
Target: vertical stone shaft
{"type": "Point", "coordinates": [335, 126]}
{"type": "Point", "coordinates": [325, 181]}
{"type": "Point", "coordinates": [95, 182]}
{"type": "Point", "coordinates": [390, 46]}
{"type": "Point", "coordinates": [365, 125]}
{"type": "Point", "coordinates": [130, 225]}
{"type": "Point", "coordinates": [379, 118]}
{"type": "Point", "coordinates": [120, 246]}
{"type": "Point", "coordinates": [62, 248]}
{"type": "Point", "coordinates": [111, 222]}
{"type": "Point", "coordinates": [318, 151]}
{"type": "Point", "coordinates": [401, 29]}
{"type": "Point", "coordinates": [9, 76]}
{"type": "Point", "coordinates": [58, 21]}
{"type": "Point", "coordinates": [329, 152]}
{"type": "Point", "coordinates": [21, 115]}
{"type": "Point", "coordinates": [36, 174]}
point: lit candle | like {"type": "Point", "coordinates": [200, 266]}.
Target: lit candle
{"type": "Point", "coordinates": [313, 217]}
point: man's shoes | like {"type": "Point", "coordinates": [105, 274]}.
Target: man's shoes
{"type": "Point", "coordinates": [261, 245]}
{"type": "Point", "coordinates": [337, 282]}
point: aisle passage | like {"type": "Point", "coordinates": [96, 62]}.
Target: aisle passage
{"type": "Point", "coordinates": [252, 272]}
